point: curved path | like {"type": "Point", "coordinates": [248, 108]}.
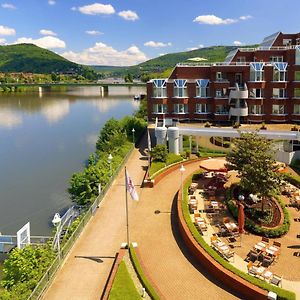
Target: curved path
{"type": "Point", "coordinates": [173, 272]}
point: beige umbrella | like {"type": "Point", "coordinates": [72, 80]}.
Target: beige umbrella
{"type": "Point", "coordinates": [213, 164]}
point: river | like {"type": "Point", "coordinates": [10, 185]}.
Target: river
{"type": "Point", "coordinates": [44, 138]}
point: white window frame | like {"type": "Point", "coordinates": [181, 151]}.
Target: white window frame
{"type": "Point", "coordinates": [180, 88]}
{"type": "Point", "coordinates": [278, 109]}
{"type": "Point", "coordinates": [276, 59]}
{"type": "Point", "coordinates": [279, 75]}
{"type": "Point", "coordinates": [282, 93]}
{"type": "Point", "coordinates": [253, 92]}
{"type": "Point", "coordinates": [257, 71]}
{"type": "Point", "coordinates": [223, 111]}
{"type": "Point", "coordinates": [159, 88]}
{"type": "Point", "coordinates": [180, 108]}
{"type": "Point", "coordinates": [255, 109]}
{"type": "Point", "coordinates": [160, 108]}
{"type": "Point", "coordinates": [296, 110]}
{"type": "Point", "coordinates": [202, 108]}
{"type": "Point", "coordinates": [296, 89]}
{"type": "Point", "coordinates": [202, 88]}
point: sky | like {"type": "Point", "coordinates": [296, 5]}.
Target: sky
{"type": "Point", "coordinates": [127, 32]}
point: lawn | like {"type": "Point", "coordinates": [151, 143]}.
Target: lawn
{"type": "Point", "coordinates": [158, 165]}
{"type": "Point", "coordinates": [123, 287]}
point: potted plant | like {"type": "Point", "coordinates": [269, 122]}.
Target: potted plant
{"type": "Point", "coordinates": [207, 124]}
{"type": "Point", "coordinates": [263, 126]}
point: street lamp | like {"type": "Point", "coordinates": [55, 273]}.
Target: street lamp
{"type": "Point", "coordinates": [241, 198]}
{"type": "Point", "coordinates": [182, 169]}
{"type": "Point", "coordinates": [109, 159]}
{"type": "Point", "coordinates": [133, 131]}
{"type": "Point", "coordinates": [56, 222]}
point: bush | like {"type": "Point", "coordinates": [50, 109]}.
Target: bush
{"type": "Point", "coordinates": [159, 153]}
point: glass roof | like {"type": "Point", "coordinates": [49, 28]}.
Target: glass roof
{"type": "Point", "coordinates": [230, 55]}
{"type": "Point", "coordinates": [180, 82]}
{"type": "Point", "coordinates": [159, 83]}
{"type": "Point", "coordinates": [269, 40]}
{"type": "Point", "coordinates": [202, 82]}
{"type": "Point", "coordinates": [257, 66]}
{"type": "Point", "coordinates": [280, 66]}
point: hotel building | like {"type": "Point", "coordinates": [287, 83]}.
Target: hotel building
{"type": "Point", "coordinates": [252, 85]}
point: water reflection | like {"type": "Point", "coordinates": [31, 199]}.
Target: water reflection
{"type": "Point", "coordinates": [49, 138]}
{"type": "Point", "coordinates": [9, 119]}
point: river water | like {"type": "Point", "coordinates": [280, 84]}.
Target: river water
{"type": "Point", "coordinates": [44, 138]}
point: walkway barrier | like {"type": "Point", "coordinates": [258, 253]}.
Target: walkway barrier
{"type": "Point", "coordinates": [49, 275]}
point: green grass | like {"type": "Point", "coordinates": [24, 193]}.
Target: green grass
{"type": "Point", "coordinates": [157, 165]}
{"type": "Point", "coordinates": [123, 287]}
{"type": "Point", "coordinates": [138, 268]}
{"type": "Point", "coordinates": [281, 293]}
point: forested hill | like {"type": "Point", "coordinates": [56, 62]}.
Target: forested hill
{"type": "Point", "coordinates": [33, 59]}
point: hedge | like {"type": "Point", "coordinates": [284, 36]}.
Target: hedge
{"type": "Point", "coordinates": [137, 266]}
{"type": "Point", "coordinates": [254, 228]}
{"type": "Point", "coordinates": [281, 293]}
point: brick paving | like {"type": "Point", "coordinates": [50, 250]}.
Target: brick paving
{"type": "Point", "coordinates": [172, 270]}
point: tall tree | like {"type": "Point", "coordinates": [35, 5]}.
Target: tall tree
{"type": "Point", "coordinates": [253, 157]}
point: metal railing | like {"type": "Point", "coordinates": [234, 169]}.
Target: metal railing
{"type": "Point", "coordinates": [45, 281]}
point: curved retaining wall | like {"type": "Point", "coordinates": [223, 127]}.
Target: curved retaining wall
{"type": "Point", "coordinates": [229, 279]}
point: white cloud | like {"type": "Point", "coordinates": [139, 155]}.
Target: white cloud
{"type": "Point", "coordinates": [51, 2]}
{"type": "Point", "coordinates": [102, 54]}
{"type": "Point", "coordinates": [157, 44]}
{"type": "Point", "coordinates": [93, 32]}
{"type": "Point", "coordinates": [237, 43]}
{"type": "Point", "coordinates": [97, 9]}
{"type": "Point", "coordinates": [195, 48]}
{"type": "Point", "coordinates": [48, 42]}
{"type": "Point", "coordinates": [47, 32]}
{"type": "Point", "coordinates": [128, 15]}
{"type": "Point", "coordinates": [2, 41]}
{"type": "Point", "coordinates": [73, 8]}
{"type": "Point", "coordinates": [162, 54]}
{"type": "Point", "coordinates": [54, 111]}
{"type": "Point", "coordinates": [6, 30]}
{"type": "Point", "coordinates": [213, 20]}
{"type": "Point", "coordinates": [8, 6]}
{"type": "Point", "coordinates": [243, 18]}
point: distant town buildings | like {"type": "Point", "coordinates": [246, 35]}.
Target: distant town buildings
{"type": "Point", "coordinates": [252, 85]}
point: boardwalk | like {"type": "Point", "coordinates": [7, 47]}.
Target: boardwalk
{"type": "Point", "coordinates": [177, 276]}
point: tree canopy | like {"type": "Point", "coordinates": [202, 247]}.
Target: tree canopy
{"type": "Point", "coordinates": [253, 157]}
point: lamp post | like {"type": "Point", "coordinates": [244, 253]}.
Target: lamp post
{"type": "Point", "coordinates": [56, 222]}
{"type": "Point", "coordinates": [133, 131]}
{"type": "Point", "coordinates": [109, 159]}
{"type": "Point", "coordinates": [182, 169]}
{"type": "Point", "coordinates": [241, 198]}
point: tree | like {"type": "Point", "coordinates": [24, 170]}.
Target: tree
{"type": "Point", "coordinates": [159, 153]}
{"type": "Point", "coordinates": [128, 78]}
{"type": "Point", "coordinates": [253, 157]}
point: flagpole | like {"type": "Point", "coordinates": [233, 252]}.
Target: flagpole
{"type": "Point", "coordinates": [126, 197]}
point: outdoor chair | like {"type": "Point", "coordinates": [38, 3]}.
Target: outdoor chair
{"type": "Point", "coordinates": [252, 256]}
{"type": "Point", "coordinates": [267, 261]}
{"type": "Point", "coordinates": [276, 280]}
{"type": "Point", "coordinates": [265, 240]}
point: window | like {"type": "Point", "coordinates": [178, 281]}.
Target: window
{"type": "Point", "coordinates": [278, 109]}
{"type": "Point", "coordinates": [221, 93]}
{"type": "Point", "coordinates": [255, 93]}
{"type": "Point", "coordinates": [297, 75]}
{"type": "Point", "coordinates": [180, 88]}
{"type": "Point", "coordinates": [160, 108]}
{"type": "Point", "coordinates": [276, 59]}
{"type": "Point", "coordinates": [297, 92]}
{"type": "Point", "coordinates": [202, 108]}
{"type": "Point", "coordinates": [255, 109]}
{"type": "Point", "coordinates": [287, 42]}
{"type": "Point", "coordinates": [297, 54]}
{"type": "Point", "coordinates": [279, 73]}
{"type": "Point", "coordinates": [202, 88]}
{"type": "Point", "coordinates": [241, 60]}
{"type": "Point", "coordinates": [159, 88]}
{"type": "Point", "coordinates": [279, 93]}
{"type": "Point", "coordinates": [221, 109]}
{"type": "Point", "coordinates": [297, 109]}
{"type": "Point", "coordinates": [256, 71]}
{"type": "Point", "coordinates": [180, 108]}
{"type": "Point", "coordinates": [219, 76]}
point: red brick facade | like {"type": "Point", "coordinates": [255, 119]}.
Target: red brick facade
{"type": "Point", "coordinates": [272, 93]}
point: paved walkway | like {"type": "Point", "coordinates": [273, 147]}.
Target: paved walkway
{"type": "Point", "coordinates": [167, 260]}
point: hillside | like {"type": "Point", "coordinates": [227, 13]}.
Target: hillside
{"type": "Point", "coordinates": [168, 61]}
{"type": "Point", "coordinates": [33, 59]}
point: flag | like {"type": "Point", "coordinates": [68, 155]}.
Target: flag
{"type": "Point", "coordinates": [149, 141]}
{"type": "Point", "coordinates": [130, 187]}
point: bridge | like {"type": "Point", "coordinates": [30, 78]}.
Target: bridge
{"type": "Point", "coordinates": [47, 86]}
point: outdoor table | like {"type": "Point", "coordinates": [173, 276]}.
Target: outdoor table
{"type": "Point", "coordinates": [270, 251]}
{"type": "Point", "coordinates": [267, 275]}
{"type": "Point", "coordinates": [231, 226]}
{"type": "Point", "coordinates": [272, 248]}
{"type": "Point", "coordinates": [214, 204]}
{"type": "Point", "coordinates": [258, 247]}
{"type": "Point", "coordinates": [260, 270]}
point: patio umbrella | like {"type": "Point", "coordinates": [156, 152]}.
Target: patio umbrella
{"type": "Point", "coordinates": [213, 164]}
{"type": "Point", "coordinates": [241, 218]}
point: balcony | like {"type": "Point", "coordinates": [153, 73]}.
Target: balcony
{"type": "Point", "coordinates": [238, 112]}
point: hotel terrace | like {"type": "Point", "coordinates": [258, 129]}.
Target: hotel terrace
{"type": "Point", "coordinates": [252, 85]}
